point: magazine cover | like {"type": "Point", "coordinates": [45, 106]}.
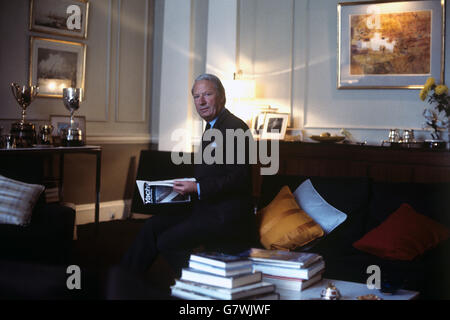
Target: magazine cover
{"type": "Point", "coordinates": [158, 192]}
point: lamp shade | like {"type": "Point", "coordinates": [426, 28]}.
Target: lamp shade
{"type": "Point", "coordinates": [240, 89]}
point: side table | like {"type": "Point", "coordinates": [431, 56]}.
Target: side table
{"type": "Point", "coordinates": [62, 151]}
{"type": "Point", "coordinates": [348, 290]}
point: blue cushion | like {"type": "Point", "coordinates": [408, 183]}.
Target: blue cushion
{"type": "Point", "coordinates": [327, 216]}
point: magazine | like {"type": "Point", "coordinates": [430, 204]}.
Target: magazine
{"type": "Point", "coordinates": [156, 192]}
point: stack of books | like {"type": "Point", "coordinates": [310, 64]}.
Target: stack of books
{"type": "Point", "coordinates": [217, 276]}
{"type": "Point", "coordinates": [287, 269]}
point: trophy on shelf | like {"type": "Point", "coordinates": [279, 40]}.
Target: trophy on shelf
{"type": "Point", "coordinates": [72, 136]}
{"type": "Point", "coordinates": [24, 132]}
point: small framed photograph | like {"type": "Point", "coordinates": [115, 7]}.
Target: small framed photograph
{"type": "Point", "coordinates": [275, 125]}
{"type": "Point", "coordinates": [258, 124]}
{"type": "Point", "coordinates": [63, 122]}
{"type": "Point", "coordinates": [60, 17]}
{"type": "Point", "coordinates": [56, 64]}
{"type": "Point", "coordinates": [390, 44]}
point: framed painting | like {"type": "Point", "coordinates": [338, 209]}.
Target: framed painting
{"type": "Point", "coordinates": [56, 64]}
{"type": "Point", "coordinates": [390, 44]}
{"type": "Point", "coordinates": [60, 17]}
{"type": "Point", "coordinates": [63, 122]}
{"type": "Point", "coordinates": [275, 125]}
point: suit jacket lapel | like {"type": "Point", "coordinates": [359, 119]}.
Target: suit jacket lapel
{"type": "Point", "coordinates": [221, 118]}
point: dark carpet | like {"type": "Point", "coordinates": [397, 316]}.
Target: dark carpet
{"type": "Point", "coordinates": [100, 255]}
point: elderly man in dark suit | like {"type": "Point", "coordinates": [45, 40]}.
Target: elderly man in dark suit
{"type": "Point", "coordinates": [220, 217]}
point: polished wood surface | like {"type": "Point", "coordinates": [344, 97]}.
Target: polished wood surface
{"type": "Point", "coordinates": [379, 163]}
{"type": "Point", "coordinates": [384, 164]}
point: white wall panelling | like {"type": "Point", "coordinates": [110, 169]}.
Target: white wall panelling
{"type": "Point", "coordinates": [132, 60]}
{"type": "Point", "coordinates": [117, 83]}
{"type": "Point", "coordinates": [292, 44]}
{"type": "Point", "coordinates": [182, 55]}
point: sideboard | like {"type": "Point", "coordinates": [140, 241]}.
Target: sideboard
{"type": "Point", "coordinates": [387, 164]}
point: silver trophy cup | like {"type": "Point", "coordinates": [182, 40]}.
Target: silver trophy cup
{"type": "Point", "coordinates": [24, 132]}
{"type": "Point", "coordinates": [72, 136]}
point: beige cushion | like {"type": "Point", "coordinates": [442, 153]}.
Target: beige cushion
{"type": "Point", "coordinates": [17, 200]}
{"type": "Point", "coordinates": [284, 225]}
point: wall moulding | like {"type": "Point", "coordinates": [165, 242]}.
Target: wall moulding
{"type": "Point", "coordinates": [109, 139]}
{"type": "Point", "coordinates": [124, 96]}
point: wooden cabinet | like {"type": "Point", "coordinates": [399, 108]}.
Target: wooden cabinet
{"type": "Point", "coordinates": [379, 163]}
{"type": "Point", "coordinates": [385, 164]}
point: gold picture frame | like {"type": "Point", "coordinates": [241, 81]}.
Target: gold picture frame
{"type": "Point", "coordinates": [390, 44]}
{"type": "Point", "coordinates": [56, 64]}
{"type": "Point", "coordinates": [60, 17]}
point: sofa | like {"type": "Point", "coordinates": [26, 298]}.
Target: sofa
{"type": "Point", "coordinates": [368, 204]}
{"type": "Point", "coordinates": [47, 237]}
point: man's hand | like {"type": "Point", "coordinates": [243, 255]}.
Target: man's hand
{"type": "Point", "coordinates": [185, 187]}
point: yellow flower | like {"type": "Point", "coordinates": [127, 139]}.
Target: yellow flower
{"type": "Point", "coordinates": [423, 94]}
{"type": "Point", "coordinates": [441, 89]}
{"type": "Point", "coordinates": [429, 83]}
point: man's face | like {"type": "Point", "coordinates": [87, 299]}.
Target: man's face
{"type": "Point", "coordinates": [207, 100]}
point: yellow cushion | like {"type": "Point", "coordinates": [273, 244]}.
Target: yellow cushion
{"type": "Point", "coordinates": [284, 225]}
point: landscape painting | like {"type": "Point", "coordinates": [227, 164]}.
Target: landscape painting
{"type": "Point", "coordinates": [390, 44]}
{"type": "Point", "coordinates": [56, 17]}
{"type": "Point", "coordinates": [56, 64]}
{"type": "Point", "coordinates": [393, 43]}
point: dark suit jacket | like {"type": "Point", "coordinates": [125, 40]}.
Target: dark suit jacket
{"type": "Point", "coordinates": [225, 189]}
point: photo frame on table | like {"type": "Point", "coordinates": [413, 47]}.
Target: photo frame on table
{"type": "Point", "coordinates": [56, 64]}
{"type": "Point", "coordinates": [275, 125]}
{"type": "Point", "coordinates": [60, 122]}
{"type": "Point", "coordinates": [60, 17]}
{"type": "Point", "coordinates": [258, 123]}
{"type": "Point", "coordinates": [390, 44]}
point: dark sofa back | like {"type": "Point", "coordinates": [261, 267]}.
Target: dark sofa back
{"type": "Point", "coordinates": [429, 199]}
{"type": "Point", "coordinates": [366, 203]}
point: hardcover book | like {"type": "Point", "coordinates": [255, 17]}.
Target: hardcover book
{"type": "Point", "coordinates": [288, 259]}
{"type": "Point", "coordinates": [291, 283]}
{"type": "Point", "coordinates": [190, 274]}
{"type": "Point", "coordinates": [221, 260]}
{"type": "Point", "coordinates": [225, 293]}
{"type": "Point", "coordinates": [190, 295]}
{"type": "Point", "coordinates": [305, 273]}
{"type": "Point", "coordinates": [220, 271]}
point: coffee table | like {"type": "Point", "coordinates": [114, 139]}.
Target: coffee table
{"type": "Point", "coordinates": [348, 290]}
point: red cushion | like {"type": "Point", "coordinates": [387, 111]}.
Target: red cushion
{"type": "Point", "coordinates": [404, 235]}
